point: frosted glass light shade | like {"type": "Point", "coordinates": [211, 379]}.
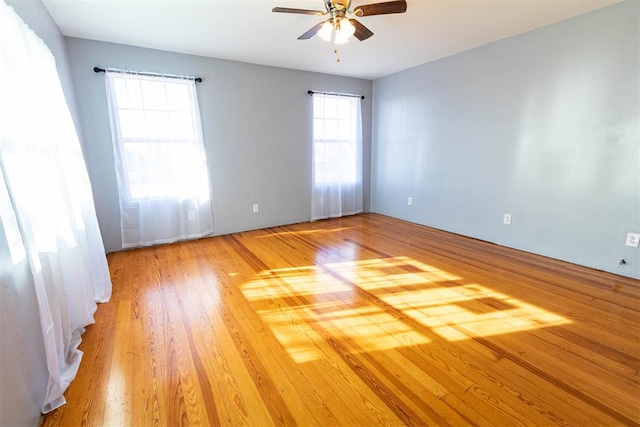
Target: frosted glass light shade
{"type": "Point", "coordinates": [346, 27]}
{"type": "Point", "coordinates": [325, 31]}
{"type": "Point", "coordinates": [340, 39]}
{"type": "Point", "coordinates": [344, 30]}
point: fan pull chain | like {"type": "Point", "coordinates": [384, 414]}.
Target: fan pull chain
{"type": "Point", "coordinates": [335, 50]}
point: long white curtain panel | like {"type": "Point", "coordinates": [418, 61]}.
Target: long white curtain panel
{"type": "Point", "coordinates": [159, 157]}
{"type": "Point", "coordinates": [49, 237]}
{"type": "Point", "coordinates": [337, 156]}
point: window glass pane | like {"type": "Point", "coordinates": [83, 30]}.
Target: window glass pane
{"type": "Point", "coordinates": [126, 96]}
{"type": "Point", "coordinates": [178, 97]}
{"type": "Point", "coordinates": [318, 129]}
{"type": "Point", "coordinates": [344, 130]}
{"type": "Point", "coordinates": [181, 125]}
{"type": "Point", "coordinates": [330, 129]}
{"type": "Point", "coordinates": [122, 100]}
{"type": "Point", "coordinates": [318, 107]}
{"type": "Point", "coordinates": [347, 162]}
{"type": "Point", "coordinates": [344, 109]}
{"type": "Point", "coordinates": [161, 170]}
{"type": "Point", "coordinates": [128, 93]}
{"type": "Point", "coordinates": [132, 124]}
{"type": "Point", "coordinates": [321, 176]}
{"type": "Point", "coordinates": [331, 108]}
{"type": "Point", "coordinates": [160, 145]}
{"type": "Point", "coordinates": [158, 125]}
{"type": "Point", "coordinates": [334, 130]}
{"type": "Point", "coordinates": [153, 95]}
{"type": "Point", "coordinates": [328, 162]}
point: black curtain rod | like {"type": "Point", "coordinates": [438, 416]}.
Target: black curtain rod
{"type": "Point", "coordinates": [102, 70]}
{"type": "Point", "coordinates": [311, 92]}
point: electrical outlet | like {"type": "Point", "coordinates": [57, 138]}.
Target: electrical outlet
{"type": "Point", "coordinates": [410, 201]}
{"type": "Point", "coordinates": [633, 240]}
{"type": "Point", "coordinates": [192, 215]}
{"type": "Point", "coordinates": [507, 219]}
{"type": "Point", "coordinates": [256, 208]}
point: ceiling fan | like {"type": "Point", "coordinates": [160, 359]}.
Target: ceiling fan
{"type": "Point", "coordinates": [339, 27]}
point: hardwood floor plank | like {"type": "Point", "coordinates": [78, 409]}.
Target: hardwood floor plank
{"type": "Point", "coordinates": [375, 409]}
{"type": "Point", "coordinates": [583, 385]}
{"type": "Point", "coordinates": [362, 320]}
{"type": "Point", "coordinates": [563, 408]}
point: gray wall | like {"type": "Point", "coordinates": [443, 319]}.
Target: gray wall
{"type": "Point", "coordinates": [23, 367]}
{"type": "Point", "coordinates": [543, 125]}
{"type": "Point", "coordinates": [257, 130]}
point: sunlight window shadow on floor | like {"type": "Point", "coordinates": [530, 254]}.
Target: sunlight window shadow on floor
{"type": "Point", "coordinates": [304, 232]}
{"type": "Point", "coordinates": [364, 306]}
{"type": "Point", "coordinates": [306, 306]}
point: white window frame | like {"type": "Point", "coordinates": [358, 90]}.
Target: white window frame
{"type": "Point", "coordinates": [336, 156]}
{"type": "Point", "coordinates": [169, 199]}
{"type": "Point", "coordinates": [122, 143]}
{"type": "Point", "coordinates": [347, 140]}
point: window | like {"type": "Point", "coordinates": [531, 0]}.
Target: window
{"type": "Point", "coordinates": [158, 136]}
{"type": "Point", "coordinates": [337, 152]}
{"type": "Point", "coordinates": [334, 139]}
{"type": "Point", "coordinates": [160, 161]}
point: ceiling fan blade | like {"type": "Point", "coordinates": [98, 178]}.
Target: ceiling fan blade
{"type": "Point", "coordinates": [398, 6]}
{"type": "Point", "coordinates": [299, 11]}
{"type": "Point", "coordinates": [312, 32]}
{"type": "Point", "coordinates": [362, 32]}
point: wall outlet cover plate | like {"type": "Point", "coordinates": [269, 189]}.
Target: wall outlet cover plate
{"type": "Point", "coordinates": [633, 239]}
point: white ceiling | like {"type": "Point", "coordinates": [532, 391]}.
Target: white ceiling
{"type": "Point", "coordinates": [247, 30]}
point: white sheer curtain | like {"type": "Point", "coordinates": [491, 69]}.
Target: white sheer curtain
{"type": "Point", "coordinates": [337, 156]}
{"type": "Point", "coordinates": [160, 159]}
{"type": "Point", "coordinates": [46, 208]}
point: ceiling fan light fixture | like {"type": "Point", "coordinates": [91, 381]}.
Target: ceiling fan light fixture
{"type": "Point", "coordinates": [326, 30]}
{"type": "Point", "coordinates": [346, 28]}
{"type": "Point", "coordinates": [340, 39]}
{"type": "Point", "coordinates": [340, 28]}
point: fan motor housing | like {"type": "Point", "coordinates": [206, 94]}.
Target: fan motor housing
{"type": "Point", "coordinates": [338, 4]}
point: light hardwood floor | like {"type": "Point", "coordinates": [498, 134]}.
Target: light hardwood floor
{"type": "Point", "coordinates": [360, 321]}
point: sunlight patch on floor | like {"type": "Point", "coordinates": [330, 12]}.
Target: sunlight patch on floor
{"type": "Point", "coordinates": [364, 306]}
{"type": "Point", "coordinates": [304, 307]}
{"type": "Point", "coordinates": [303, 232]}
{"type": "Point", "coordinates": [293, 282]}
{"type": "Point", "coordinates": [453, 311]}
{"type": "Point", "coordinates": [304, 332]}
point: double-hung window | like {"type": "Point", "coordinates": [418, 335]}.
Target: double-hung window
{"type": "Point", "coordinates": [337, 152]}
{"type": "Point", "coordinates": [160, 158]}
